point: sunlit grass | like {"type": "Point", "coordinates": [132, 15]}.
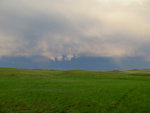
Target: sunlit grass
{"type": "Point", "coordinates": [51, 91]}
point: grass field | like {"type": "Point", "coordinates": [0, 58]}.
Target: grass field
{"type": "Point", "coordinates": [50, 91]}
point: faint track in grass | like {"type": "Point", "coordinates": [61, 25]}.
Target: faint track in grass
{"type": "Point", "coordinates": [111, 108]}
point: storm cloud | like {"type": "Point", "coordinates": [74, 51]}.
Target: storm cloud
{"type": "Point", "coordinates": [63, 29]}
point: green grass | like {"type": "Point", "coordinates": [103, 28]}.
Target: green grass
{"type": "Point", "coordinates": [51, 91]}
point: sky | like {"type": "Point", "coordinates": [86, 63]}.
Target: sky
{"type": "Point", "coordinates": [108, 34]}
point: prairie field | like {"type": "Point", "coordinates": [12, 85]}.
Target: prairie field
{"type": "Point", "coordinates": [55, 91]}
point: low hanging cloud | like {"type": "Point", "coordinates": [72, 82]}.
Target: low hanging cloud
{"type": "Point", "coordinates": [68, 28]}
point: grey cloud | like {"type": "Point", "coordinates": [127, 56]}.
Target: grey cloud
{"type": "Point", "coordinates": [55, 29]}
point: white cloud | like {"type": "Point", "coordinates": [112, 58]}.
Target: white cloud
{"type": "Point", "coordinates": [107, 28]}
